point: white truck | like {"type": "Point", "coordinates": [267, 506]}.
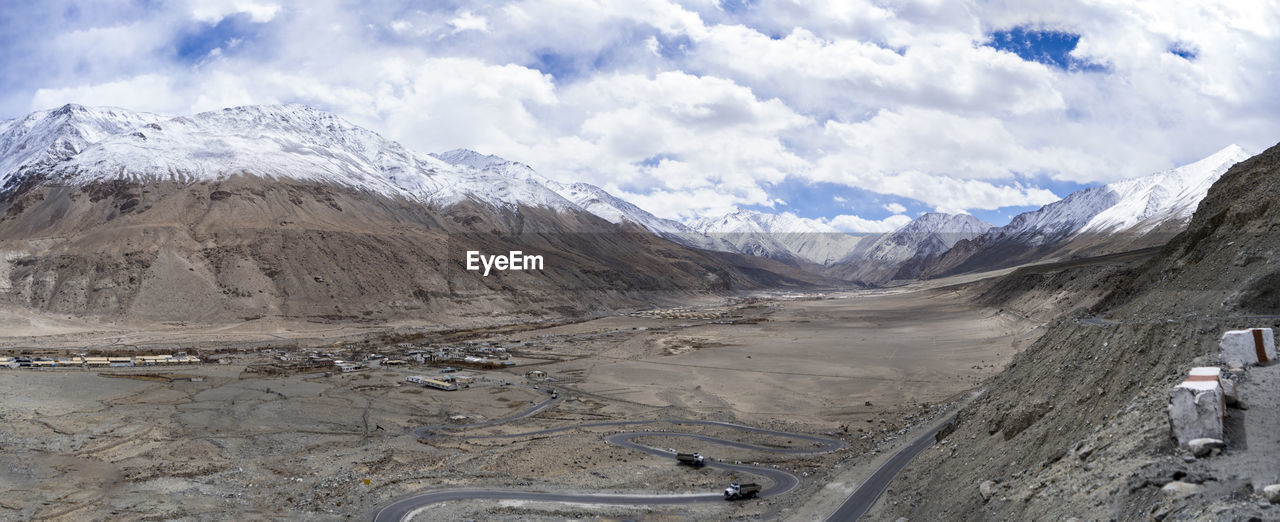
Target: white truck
{"type": "Point", "coordinates": [737, 491]}
{"type": "Point", "coordinates": [691, 459]}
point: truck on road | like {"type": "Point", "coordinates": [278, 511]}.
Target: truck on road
{"type": "Point", "coordinates": [691, 459]}
{"type": "Point", "coordinates": [737, 491]}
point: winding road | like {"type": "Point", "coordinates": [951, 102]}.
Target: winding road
{"type": "Point", "coordinates": [868, 492]}
{"type": "Point", "coordinates": [780, 481]}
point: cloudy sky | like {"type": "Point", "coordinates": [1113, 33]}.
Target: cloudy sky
{"type": "Point", "coordinates": [859, 113]}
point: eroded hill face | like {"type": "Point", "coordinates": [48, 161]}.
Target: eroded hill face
{"type": "Point", "coordinates": [247, 247]}
{"type": "Point", "coordinates": [1076, 426]}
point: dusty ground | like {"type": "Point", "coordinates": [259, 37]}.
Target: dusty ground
{"type": "Point", "coordinates": [861, 366]}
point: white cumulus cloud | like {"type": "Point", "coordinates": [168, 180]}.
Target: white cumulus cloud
{"type": "Point", "coordinates": [691, 108]}
{"type": "Point", "coordinates": [855, 224]}
{"type": "Point", "coordinates": [213, 11]}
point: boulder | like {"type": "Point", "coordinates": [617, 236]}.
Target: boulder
{"type": "Point", "coordinates": [1272, 493]}
{"type": "Point", "coordinates": [1203, 446]}
{"type": "Point", "coordinates": [987, 489]}
{"type": "Point", "coordinates": [1179, 488]}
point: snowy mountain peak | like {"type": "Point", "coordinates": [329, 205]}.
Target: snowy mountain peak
{"type": "Point", "coordinates": [43, 138]}
{"type": "Point", "coordinates": [470, 158]}
{"type": "Point", "coordinates": [743, 220]}
{"type": "Point", "coordinates": [1122, 214]}
{"type": "Point", "coordinates": [938, 222]}
{"type": "Point", "coordinates": [275, 141]}
{"type": "Point", "coordinates": [75, 145]}
{"type": "Point", "coordinates": [1146, 202]}
{"type": "Point", "coordinates": [779, 236]}
{"type": "Point", "coordinates": [1232, 152]}
{"type": "Point", "coordinates": [613, 209]}
{"type": "Point", "coordinates": [903, 253]}
{"type": "Point", "coordinates": [929, 235]}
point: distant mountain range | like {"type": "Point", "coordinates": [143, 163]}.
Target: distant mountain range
{"type": "Point", "coordinates": [1128, 214]}
{"type": "Point", "coordinates": [286, 211]}
{"type": "Point", "coordinates": [903, 253]}
{"type": "Point", "coordinates": [780, 236]}
{"type": "Point", "coordinates": [102, 210]}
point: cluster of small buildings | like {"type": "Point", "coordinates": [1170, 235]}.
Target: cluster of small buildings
{"type": "Point", "coordinates": [1198, 405]}
{"type": "Point", "coordinates": [483, 353]}
{"type": "Point", "coordinates": [679, 313]}
{"type": "Point", "coordinates": [315, 359]}
{"type": "Point", "coordinates": [80, 361]}
{"type": "Point", "coordinates": [347, 366]}
{"type": "Point", "coordinates": [448, 381]}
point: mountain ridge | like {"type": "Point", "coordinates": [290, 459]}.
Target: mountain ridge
{"type": "Point", "coordinates": [78, 145]}
{"type": "Point", "coordinates": [286, 211]}
{"type": "Point", "coordinates": [1094, 220]}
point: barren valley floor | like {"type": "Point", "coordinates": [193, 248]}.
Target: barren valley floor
{"type": "Point", "coordinates": [862, 367]}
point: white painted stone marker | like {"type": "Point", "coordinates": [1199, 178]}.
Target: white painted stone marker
{"type": "Point", "coordinates": [1252, 346]}
{"type": "Point", "coordinates": [1197, 407]}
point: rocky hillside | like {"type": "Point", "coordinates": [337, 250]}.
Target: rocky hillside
{"type": "Point", "coordinates": [1076, 425]}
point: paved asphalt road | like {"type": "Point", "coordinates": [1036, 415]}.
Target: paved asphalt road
{"type": "Point", "coordinates": [782, 481]}
{"type": "Point", "coordinates": [861, 500]}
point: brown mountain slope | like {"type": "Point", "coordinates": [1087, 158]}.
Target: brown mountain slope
{"type": "Point", "coordinates": [1076, 426]}
{"type": "Point", "coordinates": [250, 247]}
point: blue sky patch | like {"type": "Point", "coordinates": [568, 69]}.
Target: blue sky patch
{"type": "Point", "coordinates": [826, 200]}
{"type": "Point", "coordinates": [559, 66]}
{"type": "Point", "coordinates": [653, 161]}
{"type": "Point", "coordinates": [673, 47]}
{"type": "Point", "coordinates": [821, 200]}
{"type": "Point", "coordinates": [1052, 48]}
{"type": "Point", "coordinates": [735, 6]}
{"type": "Point", "coordinates": [231, 34]}
{"type": "Point", "coordinates": [1186, 51]}
{"type": "Point", "coordinates": [1002, 215]}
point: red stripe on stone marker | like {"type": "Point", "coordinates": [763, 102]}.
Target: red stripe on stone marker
{"type": "Point", "coordinates": [1259, 346]}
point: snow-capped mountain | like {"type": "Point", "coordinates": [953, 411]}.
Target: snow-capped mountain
{"type": "Point", "coordinates": [589, 198]}
{"type": "Point", "coordinates": [1126, 209]}
{"type": "Point", "coordinates": [77, 145]}
{"type": "Point", "coordinates": [50, 136]}
{"type": "Point", "coordinates": [473, 159]}
{"type": "Point", "coordinates": [613, 209]}
{"type": "Point", "coordinates": [617, 210]}
{"type": "Point", "coordinates": [1169, 196]}
{"type": "Point", "coordinates": [585, 196]}
{"type": "Point", "coordinates": [782, 236]}
{"type": "Point", "coordinates": [290, 211]}
{"type": "Point", "coordinates": [901, 254]}
{"type": "Point", "coordinates": [929, 235]}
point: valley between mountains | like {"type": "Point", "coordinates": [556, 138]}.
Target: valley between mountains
{"type": "Point", "coordinates": [333, 356]}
